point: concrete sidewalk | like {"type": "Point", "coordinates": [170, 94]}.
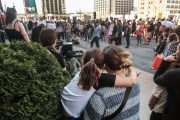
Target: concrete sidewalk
{"type": "Point", "coordinates": [146, 86]}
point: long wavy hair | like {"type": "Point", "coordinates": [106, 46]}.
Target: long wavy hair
{"type": "Point", "coordinates": [117, 59]}
{"type": "Point", "coordinates": [93, 61]}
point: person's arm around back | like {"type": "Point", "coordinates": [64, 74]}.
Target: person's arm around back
{"type": "Point", "coordinates": [109, 80]}
{"type": "Point", "coordinates": [128, 81]}
{"type": "Point", "coordinates": [23, 31]}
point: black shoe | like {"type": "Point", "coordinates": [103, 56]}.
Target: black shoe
{"type": "Point", "coordinates": [127, 47]}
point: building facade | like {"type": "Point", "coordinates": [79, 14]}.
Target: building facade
{"type": "Point", "coordinates": [158, 8]}
{"type": "Point", "coordinates": [106, 8]}
{"type": "Point", "coordinates": [55, 7]}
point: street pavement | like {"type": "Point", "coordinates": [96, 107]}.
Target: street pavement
{"type": "Point", "coordinates": [142, 57]}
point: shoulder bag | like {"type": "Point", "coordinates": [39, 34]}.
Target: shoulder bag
{"type": "Point", "coordinates": [128, 90]}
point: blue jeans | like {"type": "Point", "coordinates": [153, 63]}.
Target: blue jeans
{"type": "Point", "coordinates": [96, 40]}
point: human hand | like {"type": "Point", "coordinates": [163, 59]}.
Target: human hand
{"type": "Point", "coordinates": [170, 58]}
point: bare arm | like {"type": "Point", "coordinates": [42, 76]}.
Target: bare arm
{"type": "Point", "coordinates": [152, 102]}
{"type": "Point", "coordinates": [129, 81]}
{"type": "Point", "coordinates": [23, 31]}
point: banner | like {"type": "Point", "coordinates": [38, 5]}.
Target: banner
{"type": "Point", "coordinates": [39, 6]}
{"type": "Point", "coordinates": [30, 6]}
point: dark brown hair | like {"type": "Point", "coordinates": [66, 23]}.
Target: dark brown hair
{"type": "Point", "coordinates": [11, 15]}
{"type": "Point", "coordinates": [47, 37]}
{"type": "Point", "coordinates": [92, 60]}
{"type": "Point", "coordinates": [173, 37]}
{"type": "Point", "coordinates": [177, 31]}
{"type": "Point", "coordinates": [116, 58]}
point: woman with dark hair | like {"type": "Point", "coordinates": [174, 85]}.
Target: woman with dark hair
{"type": "Point", "coordinates": [169, 79]}
{"type": "Point", "coordinates": [15, 29]}
{"type": "Point", "coordinates": [77, 93]}
{"type": "Point", "coordinates": [36, 32]}
{"type": "Point", "coordinates": [48, 39]}
{"type": "Point", "coordinates": [172, 43]}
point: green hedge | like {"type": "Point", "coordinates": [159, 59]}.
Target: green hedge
{"type": "Point", "coordinates": [30, 82]}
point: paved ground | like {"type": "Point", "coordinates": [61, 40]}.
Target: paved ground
{"type": "Point", "coordinates": [142, 57]}
{"type": "Point", "coordinates": [146, 86]}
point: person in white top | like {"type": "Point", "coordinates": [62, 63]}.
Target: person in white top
{"type": "Point", "coordinates": [77, 93]}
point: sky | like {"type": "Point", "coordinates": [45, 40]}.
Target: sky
{"type": "Point", "coordinates": [77, 5]}
{"type": "Point", "coordinates": [84, 5]}
{"type": "Point", "coordinates": [17, 3]}
{"type": "Point", "coordinates": [71, 5]}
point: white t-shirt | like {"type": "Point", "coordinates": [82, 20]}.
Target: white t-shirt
{"type": "Point", "coordinates": [74, 99]}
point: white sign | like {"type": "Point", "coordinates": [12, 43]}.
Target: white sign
{"type": "Point", "coordinates": [42, 22]}
{"type": "Point", "coordinates": [51, 26]}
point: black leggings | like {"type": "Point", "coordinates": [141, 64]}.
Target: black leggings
{"type": "Point", "coordinates": [155, 116]}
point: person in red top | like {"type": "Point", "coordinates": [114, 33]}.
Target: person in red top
{"type": "Point", "coordinates": [139, 33]}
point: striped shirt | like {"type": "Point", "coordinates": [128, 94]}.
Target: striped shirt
{"type": "Point", "coordinates": [106, 101]}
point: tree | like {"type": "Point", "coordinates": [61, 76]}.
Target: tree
{"type": "Point", "coordinates": [31, 80]}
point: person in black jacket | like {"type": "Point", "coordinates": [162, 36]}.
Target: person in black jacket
{"type": "Point", "coordinates": [36, 32]}
{"type": "Point", "coordinates": [48, 39]}
{"type": "Point", "coordinates": [171, 81]}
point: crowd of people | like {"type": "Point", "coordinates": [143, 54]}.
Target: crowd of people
{"type": "Point", "coordinates": [101, 80]}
